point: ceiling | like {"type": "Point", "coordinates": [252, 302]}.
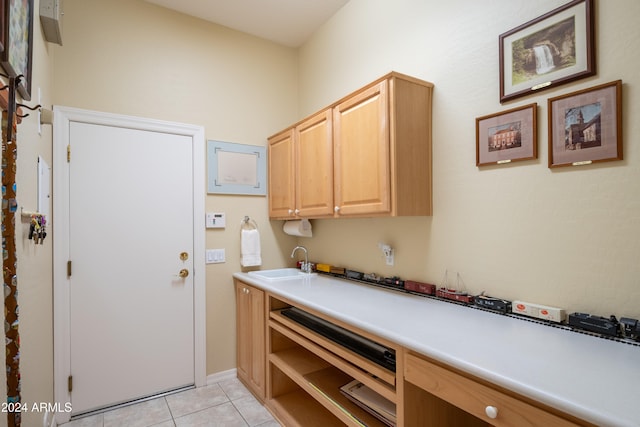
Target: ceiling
{"type": "Point", "coordinates": [287, 22]}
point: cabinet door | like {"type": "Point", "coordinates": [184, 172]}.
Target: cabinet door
{"type": "Point", "coordinates": [281, 175]}
{"type": "Point", "coordinates": [243, 328]}
{"type": "Point", "coordinates": [250, 337]}
{"type": "Point", "coordinates": [258, 351]}
{"type": "Point", "coordinates": [314, 166]}
{"type": "Point", "coordinates": [361, 150]}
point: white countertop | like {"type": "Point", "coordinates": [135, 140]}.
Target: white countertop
{"type": "Point", "coordinates": [595, 379]}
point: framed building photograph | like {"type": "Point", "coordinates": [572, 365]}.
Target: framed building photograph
{"type": "Point", "coordinates": [586, 126]}
{"type": "Point", "coordinates": [553, 49]}
{"type": "Point", "coordinates": [18, 42]}
{"type": "Point", "coordinates": [507, 136]}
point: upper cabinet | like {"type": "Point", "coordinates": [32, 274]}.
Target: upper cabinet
{"type": "Point", "coordinates": [301, 170]}
{"type": "Point", "coordinates": [368, 154]}
{"type": "Point", "coordinates": [281, 175]}
{"type": "Point", "coordinates": [362, 153]}
{"type": "Point", "coordinates": [314, 166]}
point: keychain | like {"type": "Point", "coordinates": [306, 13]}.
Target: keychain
{"type": "Point", "coordinates": [37, 231]}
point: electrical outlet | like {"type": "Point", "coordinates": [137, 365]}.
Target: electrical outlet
{"type": "Point", "coordinates": [388, 252]}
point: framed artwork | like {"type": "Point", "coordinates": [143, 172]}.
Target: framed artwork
{"type": "Point", "coordinates": [18, 42]}
{"type": "Point", "coordinates": [2, 21]}
{"type": "Point", "coordinates": [507, 136]}
{"type": "Point", "coordinates": [551, 50]}
{"type": "Point", "coordinates": [586, 126]}
{"type": "Point", "coordinates": [236, 168]}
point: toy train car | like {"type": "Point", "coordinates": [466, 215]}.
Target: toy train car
{"type": "Point", "coordinates": [394, 281]}
{"type": "Point", "coordinates": [351, 274]}
{"type": "Point", "coordinates": [492, 303]}
{"type": "Point", "coordinates": [372, 277]}
{"type": "Point", "coordinates": [601, 325]}
{"type": "Point", "coordinates": [452, 294]}
{"type": "Point", "coordinates": [337, 271]}
{"type": "Point", "coordinates": [630, 328]}
{"type": "Point", "coordinates": [325, 268]}
{"type": "Point", "coordinates": [419, 287]}
{"type": "Point", "coordinates": [610, 327]}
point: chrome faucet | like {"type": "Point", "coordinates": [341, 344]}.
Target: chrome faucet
{"type": "Point", "coordinates": [306, 266]}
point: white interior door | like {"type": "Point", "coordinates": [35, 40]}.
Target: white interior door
{"type": "Point", "coordinates": [133, 323]}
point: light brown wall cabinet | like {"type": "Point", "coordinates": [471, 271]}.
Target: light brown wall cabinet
{"type": "Point", "coordinates": [368, 154]}
{"type": "Point", "coordinates": [250, 331]}
{"type": "Point", "coordinates": [304, 373]}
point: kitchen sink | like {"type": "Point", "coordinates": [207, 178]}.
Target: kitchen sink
{"type": "Point", "coordinates": [280, 274]}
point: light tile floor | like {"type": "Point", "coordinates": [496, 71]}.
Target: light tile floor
{"type": "Point", "coordinates": [225, 404]}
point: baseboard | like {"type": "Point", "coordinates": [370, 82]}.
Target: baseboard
{"type": "Point", "coordinates": [221, 376]}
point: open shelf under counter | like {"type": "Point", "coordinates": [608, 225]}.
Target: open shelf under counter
{"type": "Point", "coordinates": [298, 408]}
{"type": "Point", "coordinates": [319, 383]}
{"type": "Point", "coordinates": [376, 377]}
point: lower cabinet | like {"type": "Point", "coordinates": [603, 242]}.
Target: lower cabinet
{"type": "Point", "coordinates": [250, 338]}
{"type": "Point", "coordinates": [298, 374]}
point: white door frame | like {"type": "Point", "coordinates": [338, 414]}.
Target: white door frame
{"type": "Point", "coordinates": [63, 116]}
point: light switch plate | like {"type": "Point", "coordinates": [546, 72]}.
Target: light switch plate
{"type": "Point", "coordinates": [215, 256]}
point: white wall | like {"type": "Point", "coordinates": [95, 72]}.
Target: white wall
{"type": "Point", "coordinates": [569, 237]}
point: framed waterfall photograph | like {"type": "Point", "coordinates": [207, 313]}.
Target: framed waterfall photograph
{"type": "Point", "coordinates": [553, 49]}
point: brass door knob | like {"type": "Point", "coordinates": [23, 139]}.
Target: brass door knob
{"type": "Point", "coordinates": [183, 273]}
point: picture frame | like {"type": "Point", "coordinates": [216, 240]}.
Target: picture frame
{"type": "Point", "coordinates": [586, 126]}
{"type": "Point", "coordinates": [507, 136]}
{"type": "Point", "coordinates": [16, 58]}
{"type": "Point", "coordinates": [236, 169]}
{"type": "Point", "coordinates": [3, 42]}
{"type": "Point", "coordinates": [551, 50]}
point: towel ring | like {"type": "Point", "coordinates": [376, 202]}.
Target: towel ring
{"type": "Point", "coordinates": [248, 224]}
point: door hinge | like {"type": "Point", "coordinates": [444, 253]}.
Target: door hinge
{"type": "Point", "coordinates": [68, 268]}
{"type": "Point", "coordinates": [70, 383]}
{"type": "Point", "coordinates": [69, 153]}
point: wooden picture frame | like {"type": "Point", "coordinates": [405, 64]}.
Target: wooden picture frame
{"type": "Point", "coordinates": [3, 41]}
{"type": "Point", "coordinates": [586, 126]}
{"type": "Point", "coordinates": [553, 49]}
{"type": "Point", "coordinates": [16, 58]}
{"type": "Point", "coordinates": [507, 136]}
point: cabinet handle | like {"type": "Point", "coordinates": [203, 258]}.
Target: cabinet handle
{"type": "Point", "coordinates": [336, 209]}
{"type": "Point", "coordinates": [297, 211]}
{"type": "Point", "coordinates": [492, 412]}
{"type": "Point", "coordinates": [290, 211]}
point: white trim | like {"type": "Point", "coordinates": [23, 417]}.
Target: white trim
{"type": "Point", "coordinates": [60, 224]}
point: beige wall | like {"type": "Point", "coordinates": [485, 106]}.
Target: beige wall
{"type": "Point", "coordinates": [131, 57]}
{"type": "Point", "coordinates": [568, 238]}
{"type": "Point", "coordinates": [562, 237]}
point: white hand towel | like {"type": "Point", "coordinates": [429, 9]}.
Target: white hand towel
{"type": "Point", "coordinates": [250, 248]}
